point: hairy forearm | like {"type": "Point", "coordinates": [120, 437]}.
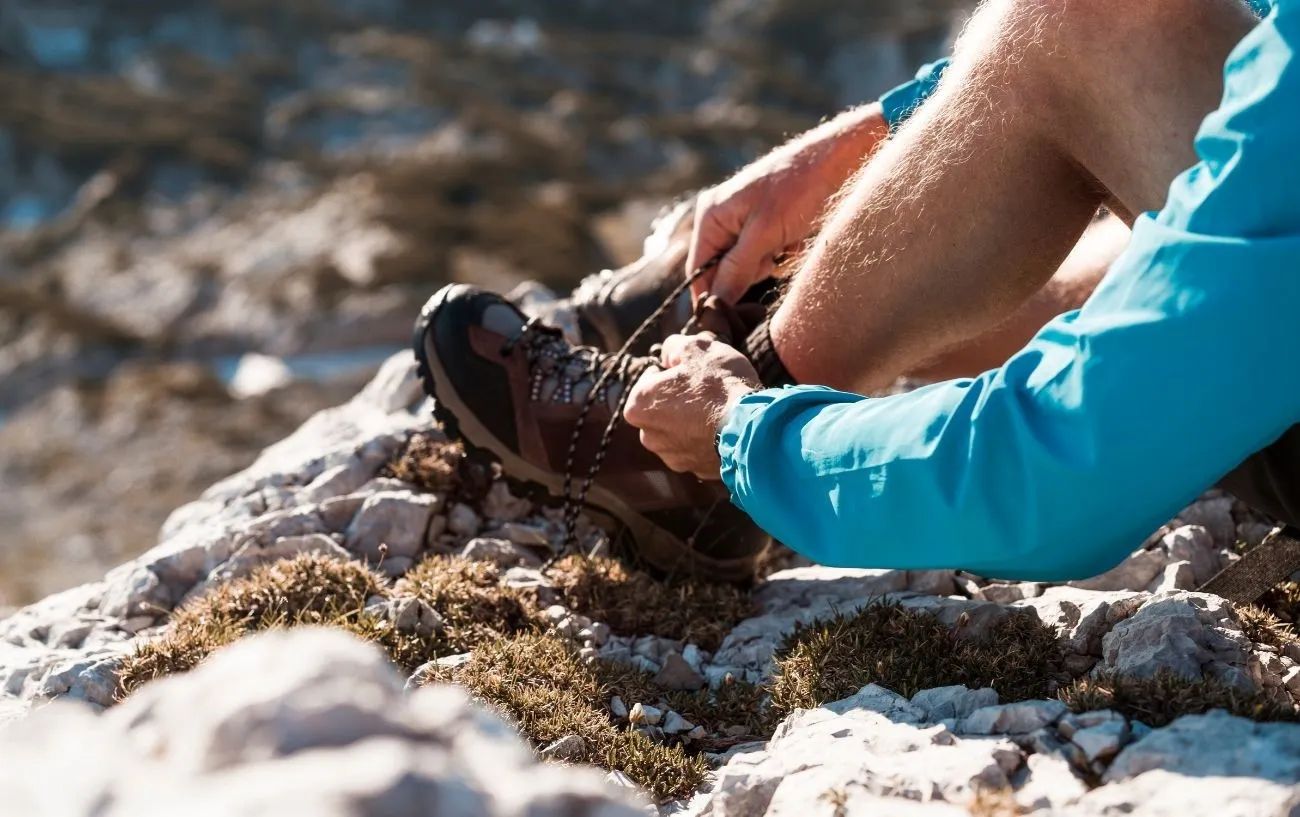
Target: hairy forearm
{"type": "Point", "coordinates": [910, 261]}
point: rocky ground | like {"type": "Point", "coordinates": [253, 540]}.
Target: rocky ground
{"type": "Point", "coordinates": [819, 691]}
{"type": "Point", "coordinates": [190, 182]}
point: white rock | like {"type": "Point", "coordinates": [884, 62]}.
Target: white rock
{"type": "Point", "coordinates": [392, 524]}
{"type": "Point", "coordinates": [1215, 744]}
{"type": "Point", "coordinates": [617, 708]}
{"type": "Point", "coordinates": [1215, 516]}
{"type": "Point", "coordinates": [901, 766]}
{"type": "Point", "coordinates": [501, 551]}
{"type": "Point", "coordinates": [644, 715]}
{"type": "Point", "coordinates": [1195, 545]}
{"type": "Point", "coordinates": [306, 722]}
{"type": "Point", "coordinates": [1049, 783]}
{"type": "Point", "coordinates": [875, 698]}
{"type": "Point", "coordinates": [1189, 634]}
{"type": "Point", "coordinates": [258, 374]}
{"type": "Point", "coordinates": [957, 702]}
{"type": "Point", "coordinates": [1134, 573]}
{"type": "Point", "coordinates": [1012, 719]}
{"type": "Point", "coordinates": [675, 724]}
{"type": "Point", "coordinates": [931, 582]}
{"type": "Point", "coordinates": [1103, 741]}
{"type": "Point", "coordinates": [1161, 793]}
{"type": "Point", "coordinates": [569, 747]}
{"type": "Point", "coordinates": [1176, 576]}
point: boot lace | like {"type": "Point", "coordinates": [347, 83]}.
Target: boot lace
{"type": "Point", "coordinates": [560, 371]}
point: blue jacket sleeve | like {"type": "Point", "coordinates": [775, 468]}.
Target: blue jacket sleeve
{"type": "Point", "coordinates": [1110, 420]}
{"type": "Point", "coordinates": [901, 102]}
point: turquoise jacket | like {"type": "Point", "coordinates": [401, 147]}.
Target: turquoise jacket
{"type": "Point", "coordinates": [1115, 416]}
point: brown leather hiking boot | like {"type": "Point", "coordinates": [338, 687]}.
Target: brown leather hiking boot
{"type": "Point", "coordinates": [515, 389]}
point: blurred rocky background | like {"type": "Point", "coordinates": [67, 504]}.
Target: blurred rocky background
{"type": "Point", "coordinates": [217, 216]}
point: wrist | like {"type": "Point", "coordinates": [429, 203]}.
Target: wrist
{"type": "Point", "coordinates": [735, 390]}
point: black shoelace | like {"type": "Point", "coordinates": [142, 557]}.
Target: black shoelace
{"type": "Point", "coordinates": [620, 365]}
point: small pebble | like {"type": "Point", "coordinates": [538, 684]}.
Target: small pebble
{"type": "Point", "coordinates": [617, 708]}
{"type": "Point", "coordinates": [643, 714]}
{"type": "Point", "coordinates": [675, 724]}
{"type": "Point", "coordinates": [569, 747]}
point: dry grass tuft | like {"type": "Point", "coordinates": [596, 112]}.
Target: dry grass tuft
{"type": "Point", "coordinates": [908, 651]}
{"type": "Point", "coordinates": [635, 603]}
{"type": "Point", "coordinates": [469, 597]}
{"type": "Point", "coordinates": [1283, 601]}
{"type": "Point", "coordinates": [308, 589]}
{"type": "Point", "coordinates": [429, 462]}
{"type": "Point", "coordinates": [995, 803]}
{"type": "Point", "coordinates": [1263, 627]}
{"type": "Point", "coordinates": [1160, 700]}
{"type": "Point", "coordinates": [315, 590]}
{"type": "Point", "coordinates": [540, 683]}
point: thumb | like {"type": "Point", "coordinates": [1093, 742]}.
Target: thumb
{"type": "Point", "coordinates": [716, 229]}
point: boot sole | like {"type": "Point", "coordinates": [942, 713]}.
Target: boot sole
{"type": "Point", "coordinates": [655, 545]}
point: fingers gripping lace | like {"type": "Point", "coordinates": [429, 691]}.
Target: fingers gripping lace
{"type": "Point", "coordinates": [627, 371]}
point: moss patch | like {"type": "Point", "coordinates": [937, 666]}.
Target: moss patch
{"type": "Point", "coordinates": [635, 603]}
{"type": "Point", "coordinates": [539, 682]}
{"type": "Point", "coordinates": [908, 651]}
{"type": "Point", "coordinates": [428, 461]}
{"type": "Point", "coordinates": [1160, 700]}
{"type": "Point", "coordinates": [315, 590]}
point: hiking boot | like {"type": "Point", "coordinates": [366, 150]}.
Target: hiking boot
{"type": "Point", "coordinates": [516, 389]}
{"type": "Point", "coordinates": [606, 308]}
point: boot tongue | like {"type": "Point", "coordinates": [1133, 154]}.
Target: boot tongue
{"type": "Point", "coordinates": [732, 324]}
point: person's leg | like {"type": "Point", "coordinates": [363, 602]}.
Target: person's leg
{"type": "Point", "coordinates": [1048, 110]}
{"type": "Point", "coordinates": [1067, 289]}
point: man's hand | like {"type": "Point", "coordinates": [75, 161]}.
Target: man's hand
{"type": "Point", "coordinates": [771, 207]}
{"type": "Point", "coordinates": [678, 408]}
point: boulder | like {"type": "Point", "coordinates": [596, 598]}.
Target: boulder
{"type": "Point", "coordinates": [306, 722]}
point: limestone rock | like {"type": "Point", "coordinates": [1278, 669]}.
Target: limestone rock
{"type": "Point", "coordinates": [392, 524]}
{"type": "Point", "coordinates": [1161, 793]}
{"type": "Point", "coordinates": [501, 551]}
{"type": "Point", "coordinates": [1215, 744]}
{"type": "Point", "coordinates": [679, 675]}
{"type": "Point", "coordinates": [306, 722]}
{"type": "Point", "coordinates": [875, 698]}
{"type": "Point", "coordinates": [954, 702]}
{"type": "Point", "coordinates": [1082, 618]}
{"type": "Point", "coordinates": [1195, 545]}
{"type": "Point", "coordinates": [1134, 573]}
{"type": "Point", "coordinates": [1190, 634]}
{"type": "Point", "coordinates": [1012, 719]}
{"type": "Point", "coordinates": [1214, 516]}
{"type": "Point", "coordinates": [1049, 783]}
{"type": "Point", "coordinates": [503, 506]}
{"type": "Point", "coordinates": [932, 582]}
{"type": "Point", "coordinates": [877, 763]}
{"type": "Point", "coordinates": [569, 747]}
